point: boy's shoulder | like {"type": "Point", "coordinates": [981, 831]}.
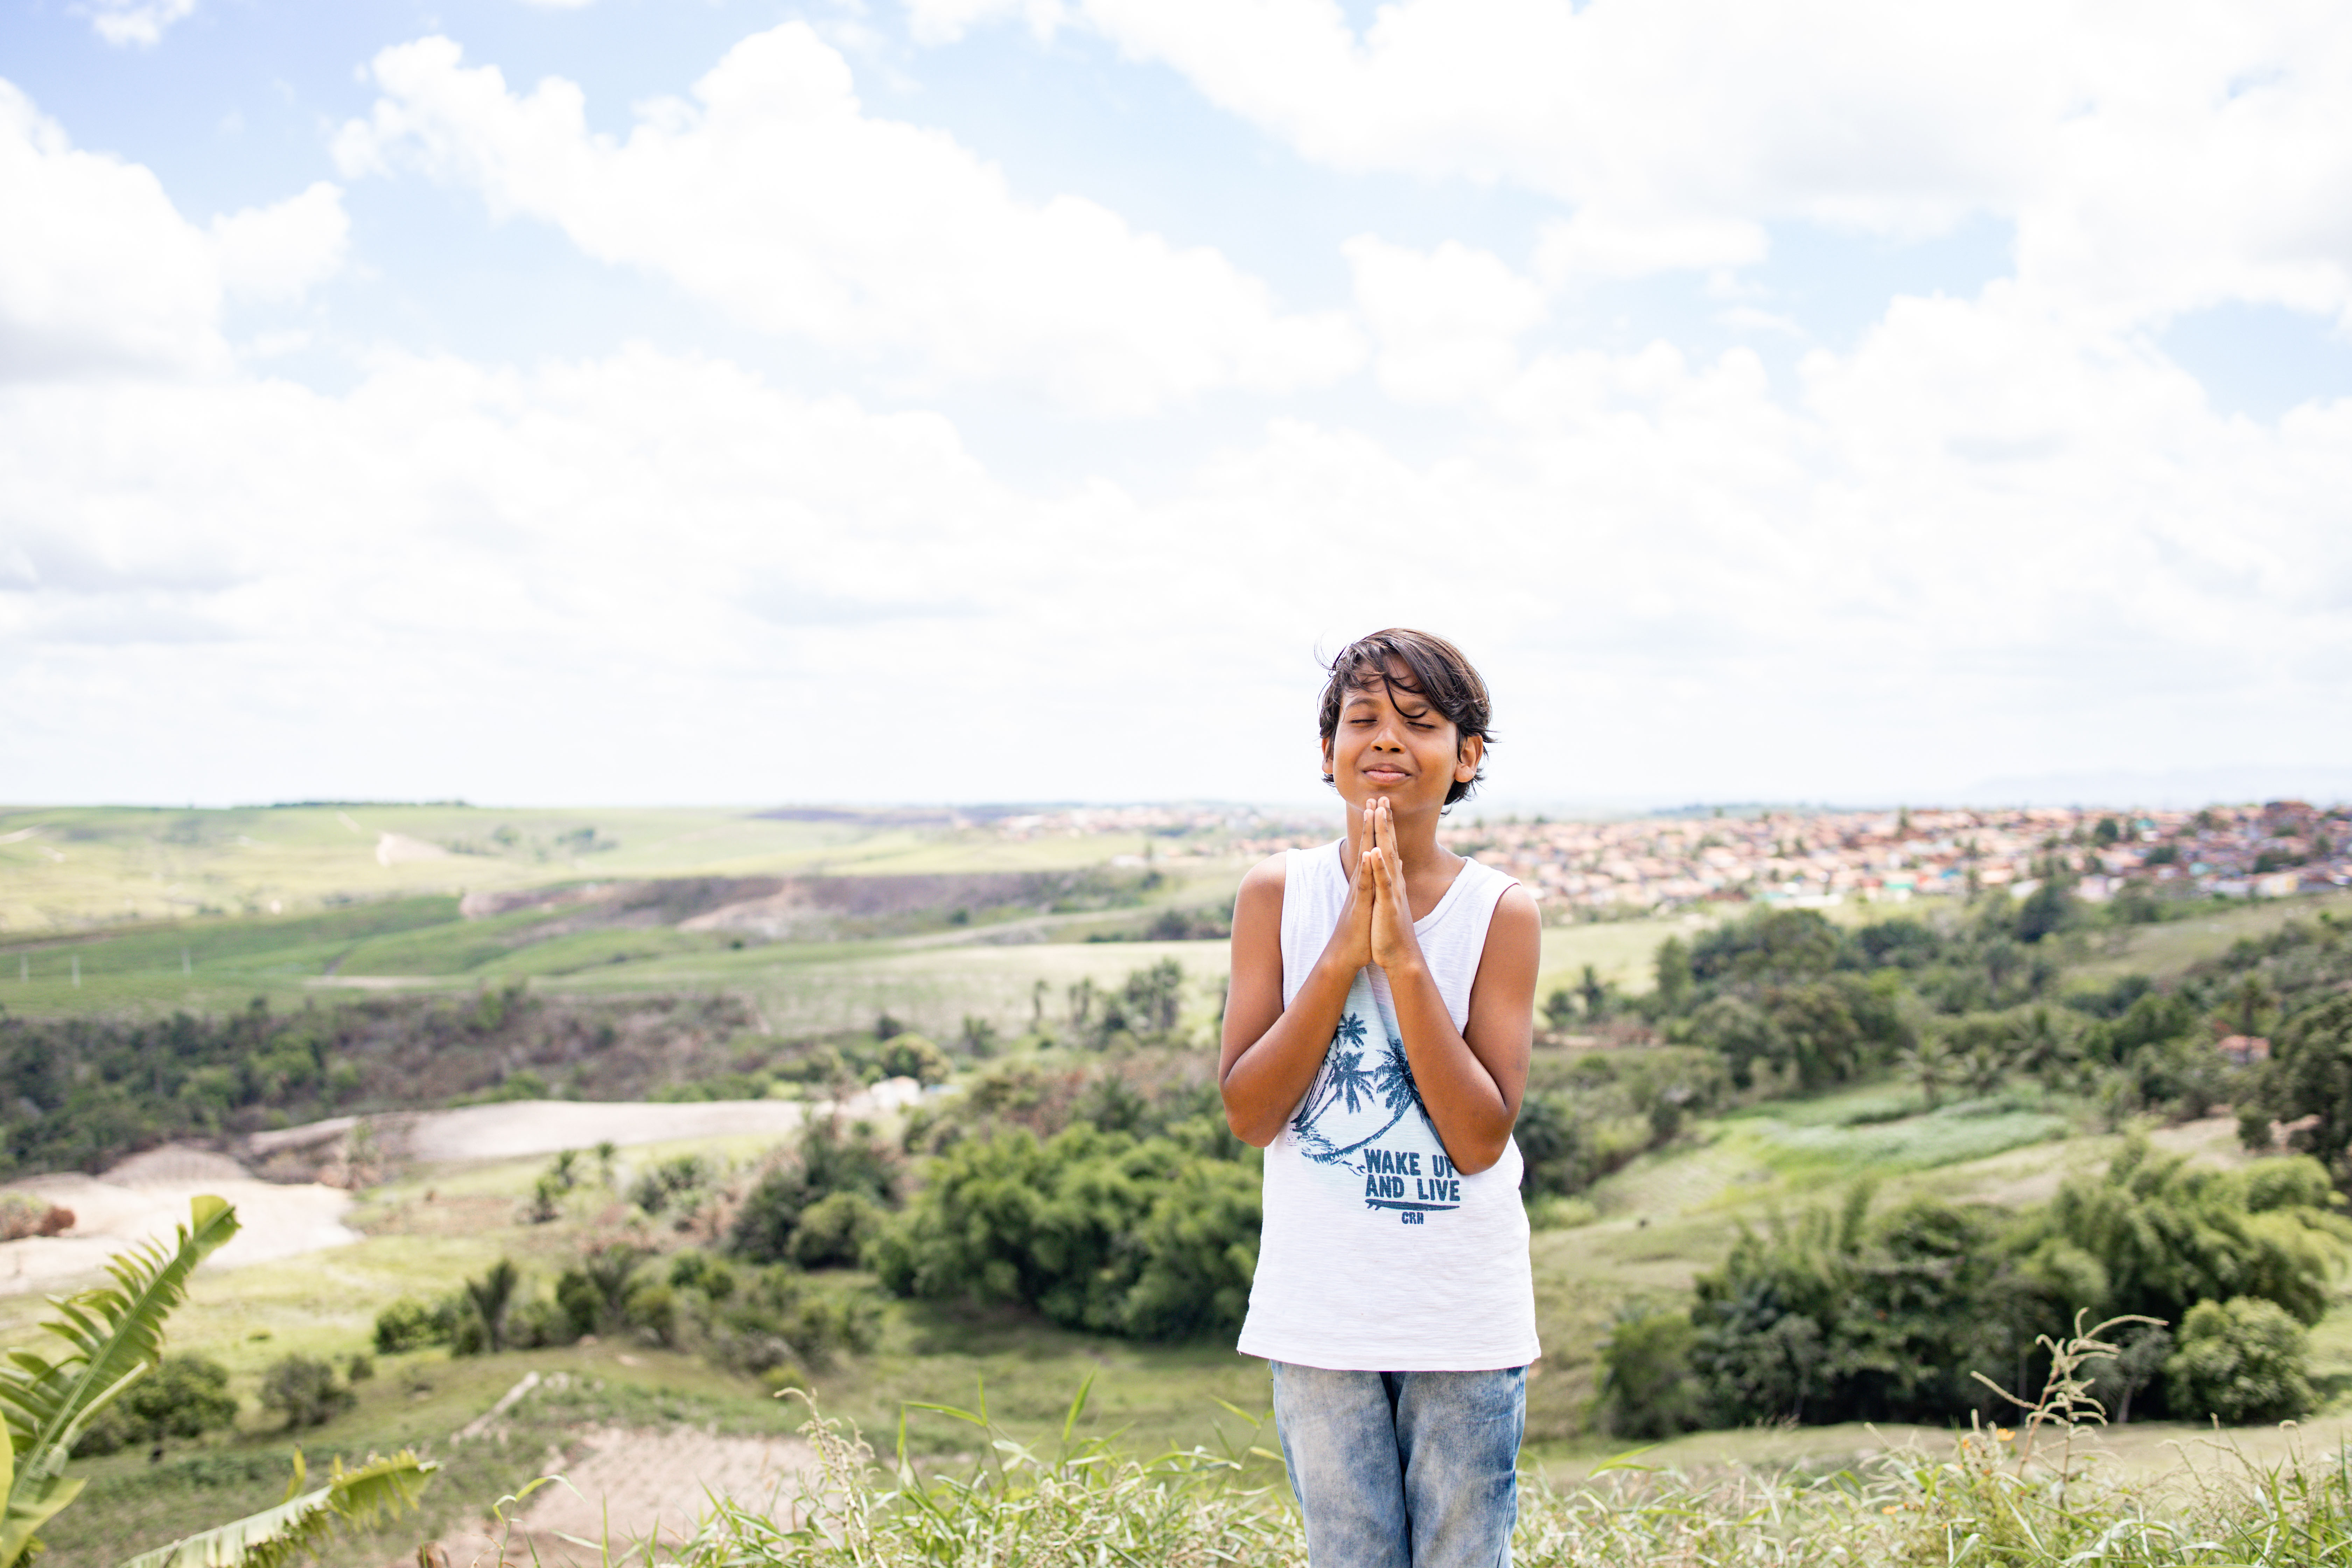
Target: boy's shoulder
{"type": "Point", "coordinates": [1267, 875]}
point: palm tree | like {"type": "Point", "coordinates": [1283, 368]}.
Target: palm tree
{"type": "Point", "coordinates": [1984, 1066]}
{"type": "Point", "coordinates": [1343, 1077]}
{"type": "Point", "coordinates": [1398, 1093]}
{"type": "Point", "coordinates": [490, 1294]}
{"type": "Point", "coordinates": [2043, 1046]}
{"type": "Point", "coordinates": [1929, 1065]}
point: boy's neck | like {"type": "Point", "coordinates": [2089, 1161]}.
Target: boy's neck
{"type": "Point", "coordinates": [1417, 836]}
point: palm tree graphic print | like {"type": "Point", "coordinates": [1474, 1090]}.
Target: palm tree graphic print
{"type": "Point", "coordinates": [1363, 1119]}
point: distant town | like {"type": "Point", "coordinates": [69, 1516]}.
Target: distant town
{"type": "Point", "coordinates": [1809, 858]}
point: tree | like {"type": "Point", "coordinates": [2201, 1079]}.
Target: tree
{"type": "Point", "coordinates": [2042, 1046]}
{"type": "Point", "coordinates": [2156, 1235]}
{"type": "Point", "coordinates": [2242, 1361]}
{"type": "Point", "coordinates": [491, 1296]}
{"type": "Point", "coordinates": [2310, 1075]}
{"type": "Point", "coordinates": [1928, 1064]}
{"type": "Point", "coordinates": [1647, 1390]}
{"type": "Point", "coordinates": [1595, 992]}
{"type": "Point", "coordinates": [1559, 1009]}
{"type": "Point", "coordinates": [1674, 970]}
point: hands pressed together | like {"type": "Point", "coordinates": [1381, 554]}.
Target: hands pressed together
{"type": "Point", "coordinates": [1376, 925]}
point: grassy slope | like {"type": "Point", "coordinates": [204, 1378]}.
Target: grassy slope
{"type": "Point", "coordinates": [113, 863]}
{"type": "Point", "coordinates": [1664, 1219]}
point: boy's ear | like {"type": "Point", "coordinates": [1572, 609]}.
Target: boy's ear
{"type": "Point", "coordinates": [1467, 758]}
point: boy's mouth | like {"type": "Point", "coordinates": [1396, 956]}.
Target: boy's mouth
{"type": "Point", "coordinates": [1386, 776]}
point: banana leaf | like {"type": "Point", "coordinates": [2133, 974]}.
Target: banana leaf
{"type": "Point", "coordinates": [114, 1337]}
{"type": "Point", "coordinates": [300, 1525]}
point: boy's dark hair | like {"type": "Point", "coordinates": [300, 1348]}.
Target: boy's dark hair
{"type": "Point", "coordinates": [1435, 671]}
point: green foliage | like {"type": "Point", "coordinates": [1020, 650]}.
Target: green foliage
{"type": "Point", "coordinates": [1577, 1125]}
{"type": "Point", "coordinates": [490, 1297]}
{"type": "Point", "coordinates": [911, 1055]}
{"type": "Point", "coordinates": [2240, 1361]}
{"type": "Point", "coordinates": [2156, 1235]}
{"type": "Point", "coordinates": [2310, 1075]}
{"type": "Point", "coordinates": [1026, 1504]}
{"type": "Point", "coordinates": [303, 1525]}
{"type": "Point", "coordinates": [1097, 1231]}
{"type": "Point", "coordinates": [834, 1231]}
{"type": "Point", "coordinates": [2028, 1496]}
{"type": "Point", "coordinates": [409, 1324]}
{"type": "Point", "coordinates": [1857, 1316]}
{"type": "Point", "coordinates": [670, 1182]}
{"type": "Point", "coordinates": [1647, 1390]}
{"type": "Point", "coordinates": [113, 1336]}
{"type": "Point", "coordinates": [304, 1391]}
{"type": "Point", "coordinates": [827, 1162]}
{"type": "Point", "coordinates": [187, 1396]}
{"type": "Point", "coordinates": [1848, 1317]}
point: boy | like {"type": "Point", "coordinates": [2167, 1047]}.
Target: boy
{"type": "Point", "coordinates": [1376, 1047]}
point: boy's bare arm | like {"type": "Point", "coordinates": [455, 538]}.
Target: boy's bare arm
{"type": "Point", "coordinates": [1471, 1079]}
{"type": "Point", "coordinates": [1271, 1054]}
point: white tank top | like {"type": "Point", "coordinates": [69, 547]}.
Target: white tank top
{"type": "Point", "coordinates": [1377, 1255]}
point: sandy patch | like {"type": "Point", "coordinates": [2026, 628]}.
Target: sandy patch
{"type": "Point", "coordinates": [522, 1129]}
{"type": "Point", "coordinates": [640, 1486]}
{"type": "Point", "coordinates": [146, 1196]}
{"type": "Point", "coordinates": [399, 850]}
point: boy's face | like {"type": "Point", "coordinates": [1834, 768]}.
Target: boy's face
{"type": "Point", "coordinates": [1391, 741]}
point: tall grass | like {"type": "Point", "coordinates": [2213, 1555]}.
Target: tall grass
{"type": "Point", "coordinates": [2032, 1495]}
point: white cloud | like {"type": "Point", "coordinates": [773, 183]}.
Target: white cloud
{"type": "Point", "coordinates": [101, 273]}
{"type": "Point", "coordinates": [2153, 159]}
{"type": "Point", "coordinates": [142, 22]}
{"type": "Point", "coordinates": [280, 252]}
{"type": "Point", "coordinates": [776, 196]}
{"type": "Point", "coordinates": [946, 21]}
{"type": "Point", "coordinates": [1975, 539]}
{"type": "Point", "coordinates": [99, 270]}
{"type": "Point", "coordinates": [1448, 320]}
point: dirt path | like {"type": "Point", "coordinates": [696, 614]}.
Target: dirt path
{"type": "Point", "coordinates": [640, 1486]}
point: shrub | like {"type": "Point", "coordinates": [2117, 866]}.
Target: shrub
{"type": "Point", "coordinates": [1647, 1392]}
{"type": "Point", "coordinates": [186, 1397]}
{"type": "Point", "coordinates": [594, 1296]}
{"type": "Point", "coordinates": [537, 1323]}
{"type": "Point", "coordinates": [826, 1163]}
{"type": "Point", "coordinates": [669, 1182]}
{"type": "Point", "coordinates": [774, 1318]}
{"type": "Point", "coordinates": [652, 1311]}
{"type": "Point", "coordinates": [2241, 1360]}
{"type": "Point", "coordinates": [304, 1391]}
{"type": "Point", "coordinates": [911, 1055]}
{"type": "Point", "coordinates": [22, 1214]}
{"type": "Point", "coordinates": [1095, 1230]}
{"type": "Point", "coordinates": [409, 1324]}
{"type": "Point", "coordinates": [834, 1230]}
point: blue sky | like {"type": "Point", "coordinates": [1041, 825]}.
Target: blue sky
{"type": "Point", "coordinates": [996, 399]}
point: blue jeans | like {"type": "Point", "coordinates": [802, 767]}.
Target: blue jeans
{"type": "Point", "coordinates": [1404, 1469]}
